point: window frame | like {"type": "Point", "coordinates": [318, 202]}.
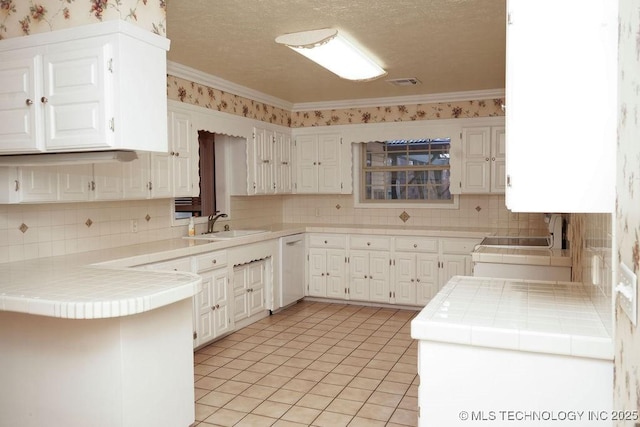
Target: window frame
{"type": "Point", "coordinates": [358, 155]}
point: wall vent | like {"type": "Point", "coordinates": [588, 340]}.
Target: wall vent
{"type": "Point", "coordinates": [408, 81]}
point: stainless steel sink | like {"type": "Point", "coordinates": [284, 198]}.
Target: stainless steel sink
{"type": "Point", "coordinates": [226, 235]}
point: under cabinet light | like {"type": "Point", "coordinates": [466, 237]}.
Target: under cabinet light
{"type": "Point", "coordinates": [330, 50]}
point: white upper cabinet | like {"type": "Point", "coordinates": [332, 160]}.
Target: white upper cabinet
{"type": "Point", "coordinates": [483, 160]}
{"type": "Point", "coordinates": [94, 87]}
{"type": "Point", "coordinates": [561, 84]}
{"type": "Point", "coordinates": [318, 164]}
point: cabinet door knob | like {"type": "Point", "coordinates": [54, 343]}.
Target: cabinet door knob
{"type": "Point", "coordinates": [417, 280]}
{"type": "Point", "coordinates": [213, 307]}
{"type": "Point", "coordinates": [217, 305]}
{"type": "Point", "coordinates": [327, 274]}
{"type": "Point", "coordinates": [29, 102]}
{"type": "Point", "coordinates": [368, 243]}
{"type": "Point", "coordinates": [214, 261]}
{"type": "Point", "coordinates": [493, 159]}
{"type": "Point", "coordinates": [325, 242]}
{"type": "Point", "coordinates": [44, 100]}
{"type": "Point", "coordinates": [415, 245]}
{"type": "Point", "coordinates": [177, 154]}
{"type": "Point", "coordinates": [486, 159]}
{"type": "Point", "coordinates": [412, 280]}
{"type": "Point", "coordinates": [172, 153]}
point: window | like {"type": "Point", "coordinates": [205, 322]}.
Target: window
{"type": "Point", "coordinates": [414, 170]}
{"type": "Point", "coordinates": [205, 204]}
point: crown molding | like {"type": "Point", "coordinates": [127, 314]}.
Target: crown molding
{"type": "Point", "coordinates": [196, 76]}
{"type": "Point", "coordinates": [401, 100]}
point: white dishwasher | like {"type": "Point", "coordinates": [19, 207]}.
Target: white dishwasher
{"type": "Point", "coordinates": [292, 270]}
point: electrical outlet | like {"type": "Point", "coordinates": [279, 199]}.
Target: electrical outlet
{"type": "Point", "coordinates": [134, 225]}
{"type": "Point", "coordinates": [627, 290]}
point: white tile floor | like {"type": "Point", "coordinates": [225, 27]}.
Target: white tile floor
{"type": "Point", "coordinates": [312, 364]}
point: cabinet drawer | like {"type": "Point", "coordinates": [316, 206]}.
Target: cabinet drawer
{"type": "Point", "coordinates": [211, 260]}
{"type": "Point", "coordinates": [370, 242]}
{"type": "Point", "coordinates": [416, 244]}
{"type": "Point", "coordinates": [458, 246]}
{"type": "Point", "coordinates": [338, 241]}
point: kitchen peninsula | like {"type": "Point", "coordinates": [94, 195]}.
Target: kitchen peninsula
{"type": "Point", "coordinates": [85, 345]}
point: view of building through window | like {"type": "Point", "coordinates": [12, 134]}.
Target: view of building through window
{"type": "Point", "coordinates": [407, 170]}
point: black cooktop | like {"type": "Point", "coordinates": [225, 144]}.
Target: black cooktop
{"type": "Point", "coordinates": [535, 242]}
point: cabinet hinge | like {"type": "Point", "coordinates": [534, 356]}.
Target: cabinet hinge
{"type": "Point", "coordinates": [112, 124]}
{"type": "Point", "coordinates": [340, 141]}
{"type": "Point", "coordinates": [17, 187]}
{"type": "Point", "coordinates": [195, 335]}
{"type": "Point", "coordinates": [460, 135]}
{"type": "Point", "coordinates": [110, 65]}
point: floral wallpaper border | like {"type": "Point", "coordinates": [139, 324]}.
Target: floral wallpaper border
{"type": "Point", "coordinates": [183, 90]}
{"type": "Point", "coordinates": [24, 17]}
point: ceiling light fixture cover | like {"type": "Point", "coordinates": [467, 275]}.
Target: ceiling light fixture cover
{"type": "Point", "coordinates": [332, 51]}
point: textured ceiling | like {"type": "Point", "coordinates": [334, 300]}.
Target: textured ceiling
{"type": "Point", "coordinates": [449, 45]}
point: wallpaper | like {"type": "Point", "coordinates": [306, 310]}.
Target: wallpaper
{"type": "Point", "coordinates": [215, 99]}
{"type": "Point", "coordinates": [627, 337]}
{"type": "Point", "coordinates": [189, 92]}
{"type": "Point", "coordinates": [399, 113]}
{"type": "Point", "coordinates": [24, 17]}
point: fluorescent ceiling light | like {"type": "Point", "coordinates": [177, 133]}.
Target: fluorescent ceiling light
{"type": "Point", "coordinates": [332, 51]}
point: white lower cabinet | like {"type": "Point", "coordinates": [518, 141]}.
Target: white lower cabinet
{"type": "Point", "coordinates": [369, 272]}
{"type": "Point", "coordinates": [249, 289]}
{"type": "Point", "coordinates": [211, 310]}
{"type": "Point", "coordinates": [403, 270]}
{"type": "Point", "coordinates": [416, 278]}
{"type": "Point", "coordinates": [327, 265]}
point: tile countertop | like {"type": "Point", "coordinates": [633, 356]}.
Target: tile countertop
{"type": "Point", "coordinates": [524, 315]}
{"type": "Point", "coordinates": [528, 256]}
{"type": "Point", "coordinates": [99, 284]}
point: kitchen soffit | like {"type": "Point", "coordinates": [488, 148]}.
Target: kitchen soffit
{"type": "Point", "coordinates": [449, 45]}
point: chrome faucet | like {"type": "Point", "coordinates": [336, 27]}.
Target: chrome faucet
{"type": "Point", "coordinates": [212, 220]}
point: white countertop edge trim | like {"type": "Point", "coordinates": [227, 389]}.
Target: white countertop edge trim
{"type": "Point", "coordinates": [518, 340]}
{"type": "Point", "coordinates": [82, 310]}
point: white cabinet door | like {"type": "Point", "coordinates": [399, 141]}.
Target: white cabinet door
{"type": "Point", "coordinates": [483, 160]}
{"type": "Point", "coordinates": [476, 152]}
{"type": "Point", "coordinates": [137, 177]}
{"type": "Point", "coordinates": [205, 310]}
{"type": "Point", "coordinates": [405, 279]}
{"type": "Point", "coordinates": [335, 276]}
{"type": "Point", "coordinates": [306, 164]}
{"type": "Point", "coordinates": [427, 280]}
{"type": "Point", "coordinates": [379, 276]}
{"type": "Point", "coordinates": [76, 112]}
{"type": "Point", "coordinates": [181, 148]}
{"type": "Point", "coordinates": [318, 164]}
{"type": "Point", "coordinates": [161, 183]}
{"type": "Point", "coordinates": [37, 184]}
{"type": "Point", "coordinates": [317, 271]}
{"type": "Point", "coordinates": [20, 116]}
{"type": "Point", "coordinates": [561, 161]}
{"type": "Point", "coordinates": [329, 174]}
{"type": "Point", "coordinates": [283, 163]}
{"type": "Point", "coordinates": [249, 289]}
{"type": "Point", "coordinates": [75, 183]}
{"type": "Point", "coordinates": [359, 275]}
{"type": "Point", "coordinates": [453, 265]}
{"type": "Point", "coordinates": [222, 317]}
{"type": "Point", "coordinates": [498, 160]}
{"type": "Point", "coordinates": [108, 181]}
{"type": "Point", "coordinates": [264, 141]}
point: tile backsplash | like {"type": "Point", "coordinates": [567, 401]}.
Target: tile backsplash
{"type": "Point", "coordinates": [483, 211]}
{"type": "Point", "coordinates": [61, 229]}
